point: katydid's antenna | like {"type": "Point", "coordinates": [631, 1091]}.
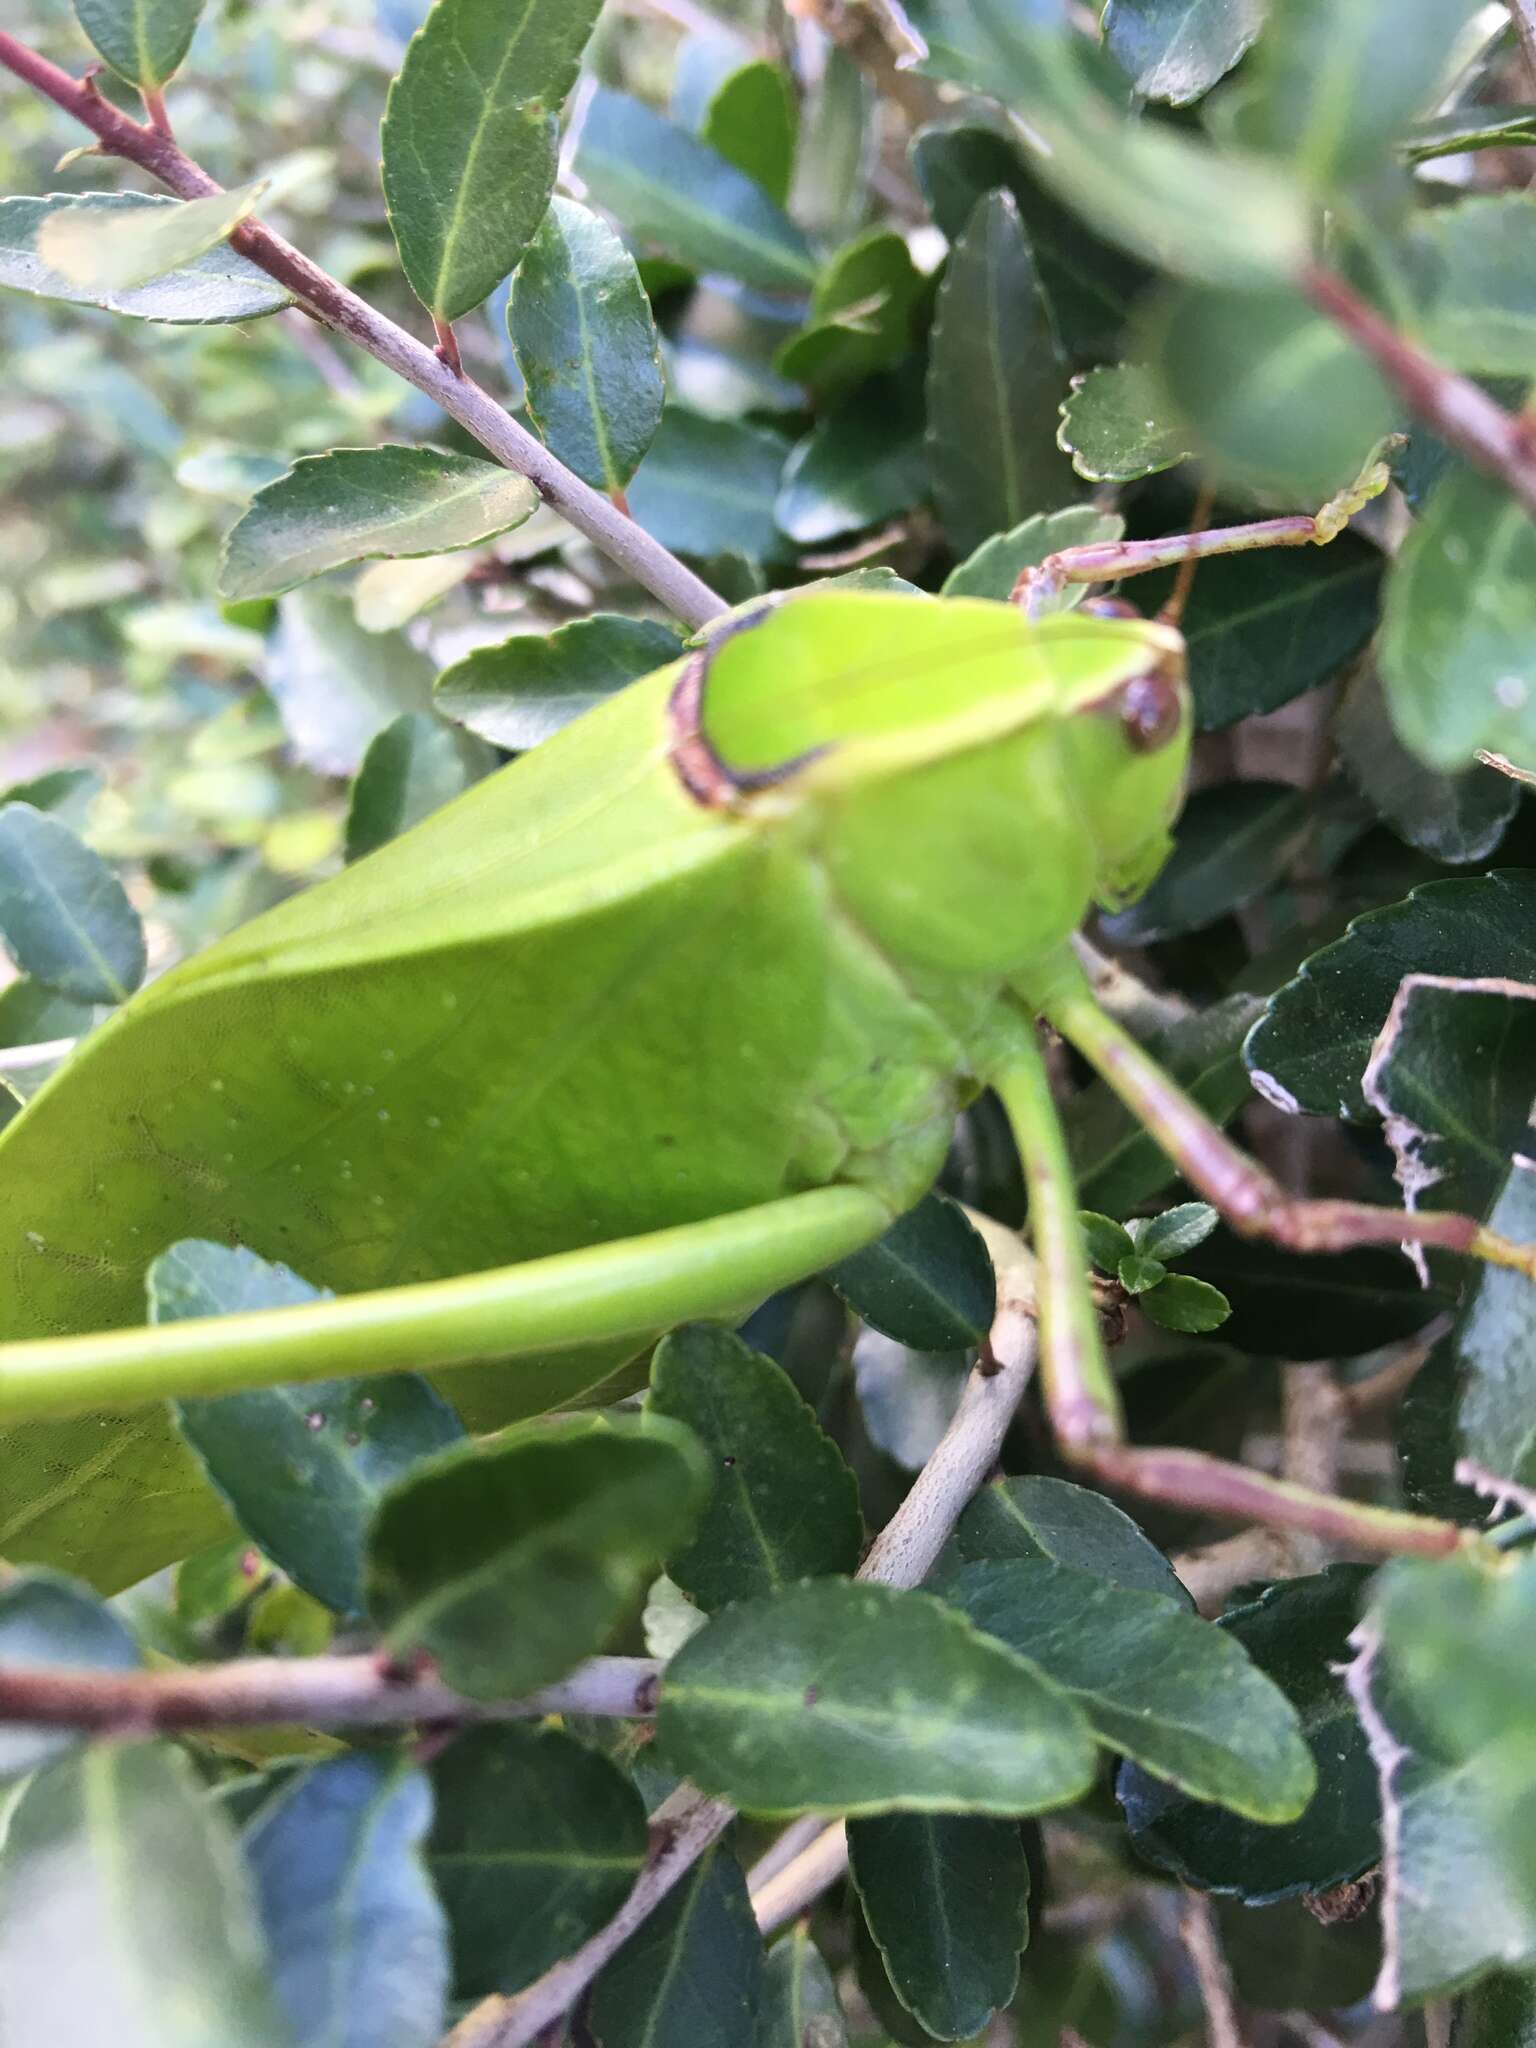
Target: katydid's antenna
{"type": "Point", "coordinates": [1173, 611]}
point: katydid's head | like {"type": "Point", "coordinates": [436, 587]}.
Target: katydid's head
{"type": "Point", "coordinates": [971, 779]}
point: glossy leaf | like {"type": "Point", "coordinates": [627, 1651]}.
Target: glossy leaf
{"type": "Point", "coordinates": [753, 121]}
{"type": "Point", "coordinates": [1089, 286]}
{"type": "Point", "coordinates": [464, 1553]}
{"type": "Point", "coordinates": [1157, 1684]}
{"type": "Point", "coordinates": [1472, 261]}
{"type": "Point", "coordinates": [1111, 429]}
{"type": "Point", "coordinates": [860, 316]}
{"type": "Point", "coordinates": [1453, 1076]}
{"type": "Point", "coordinates": [837, 1698]}
{"type": "Point", "coordinates": [1297, 1634]}
{"type": "Point", "coordinates": [1177, 49]}
{"type": "Point", "coordinates": [798, 2006]}
{"type": "Point", "coordinates": [1054, 1520]}
{"type": "Point", "coordinates": [1264, 628]}
{"type": "Point", "coordinates": [995, 567]}
{"type": "Point", "coordinates": [862, 463]}
{"type": "Point", "coordinates": [1457, 818]}
{"type": "Point", "coordinates": [143, 40]}
{"type": "Point", "coordinates": [709, 485]}
{"type": "Point", "coordinates": [1336, 81]}
{"type": "Point", "coordinates": [692, 1976]}
{"type": "Point", "coordinates": [1446, 1695]}
{"type": "Point", "coordinates": [64, 916]}
{"type": "Point", "coordinates": [351, 504]}
{"type": "Point", "coordinates": [301, 1468]}
{"type": "Point", "coordinates": [411, 768]}
{"type": "Point", "coordinates": [521, 691]}
{"type": "Point", "coordinates": [1181, 1302]}
{"type": "Point", "coordinates": [358, 1942]}
{"type": "Point", "coordinates": [535, 1843]}
{"type": "Point", "coordinates": [48, 1620]}
{"type": "Point", "coordinates": [1234, 841]}
{"type": "Point", "coordinates": [336, 686]}
{"type": "Point", "coordinates": [1492, 1356]}
{"type": "Point", "coordinates": [946, 1898]}
{"type": "Point", "coordinates": [106, 252]}
{"type": "Point", "coordinates": [1284, 1304]}
{"type": "Point", "coordinates": [1457, 627]}
{"type": "Point", "coordinates": [785, 1505]}
{"type": "Point", "coordinates": [1175, 1231]}
{"type": "Point", "coordinates": [666, 187]}
{"type": "Point", "coordinates": [1309, 1049]}
{"type": "Point", "coordinates": [585, 342]}
{"type": "Point", "coordinates": [994, 379]}
{"type": "Point", "coordinates": [469, 140]}
{"type": "Point", "coordinates": [1267, 392]}
{"type": "Point", "coordinates": [115, 1855]}
{"type": "Point", "coordinates": [928, 1282]}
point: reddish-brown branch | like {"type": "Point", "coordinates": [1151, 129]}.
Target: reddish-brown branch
{"type": "Point", "coordinates": [1465, 417]}
{"type": "Point", "coordinates": [330, 302]}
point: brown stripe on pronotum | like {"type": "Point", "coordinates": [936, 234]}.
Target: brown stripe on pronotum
{"type": "Point", "coordinates": [708, 779]}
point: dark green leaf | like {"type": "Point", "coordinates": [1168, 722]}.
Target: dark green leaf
{"type": "Point", "coordinates": [1158, 1684]}
{"type": "Point", "coordinates": [928, 1282]}
{"type": "Point", "coordinates": [1298, 1635]}
{"type": "Point", "coordinates": [358, 1943]}
{"type": "Point", "coordinates": [1057, 1521]}
{"type": "Point", "coordinates": [1444, 1686]}
{"type": "Point", "coordinates": [798, 2007]}
{"type": "Point", "coordinates": [1453, 1076]}
{"type": "Point", "coordinates": [1283, 1952]}
{"type": "Point", "coordinates": [1118, 1165]}
{"type": "Point", "coordinates": [125, 1915]}
{"type": "Point", "coordinates": [48, 1620]}
{"type": "Point", "coordinates": [692, 1977]}
{"type": "Point", "coordinates": [708, 485]}
{"type": "Point", "coordinates": [1137, 1274]}
{"type": "Point", "coordinates": [838, 1698]}
{"type": "Point", "coordinates": [862, 463]}
{"type": "Point", "coordinates": [65, 917]}
{"type": "Point", "coordinates": [216, 287]}
{"type": "Point", "coordinates": [411, 769]}
{"type": "Point", "coordinates": [1263, 628]}
{"type": "Point", "coordinates": [586, 344]}
{"type": "Point", "coordinates": [520, 692]}
{"type": "Point", "coordinates": [1310, 1304]}
{"type": "Point", "coordinates": [1175, 1231]}
{"type": "Point", "coordinates": [995, 567]}
{"type": "Point", "coordinates": [946, 1898]}
{"type": "Point", "coordinates": [336, 685]}
{"type": "Point", "coordinates": [1472, 264]}
{"type": "Point", "coordinates": [1234, 841]}
{"type": "Point", "coordinates": [785, 1504]}
{"type": "Point", "coordinates": [469, 140]}
{"type": "Point", "coordinates": [302, 1468]}
{"type": "Point", "coordinates": [1270, 394]}
{"type": "Point", "coordinates": [1337, 81]}
{"type": "Point", "coordinates": [1183, 1303]}
{"type": "Point", "coordinates": [1309, 1049]}
{"type": "Point", "coordinates": [143, 40]}
{"type": "Point", "coordinates": [1457, 627]}
{"type": "Point", "coordinates": [1453, 818]}
{"type": "Point", "coordinates": [1108, 1242]}
{"type": "Point", "coordinates": [511, 1562]}
{"type": "Point", "coordinates": [752, 120]}
{"type": "Point", "coordinates": [1089, 286]}
{"type": "Point", "coordinates": [666, 186]}
{"type": "Point", "coordinates": [994, 381]}
{"type": "Point", "coordinates": [860, 316]}
{"type": "Point", "coordinates": [1493, 1352]}
{"type": "Point", "coordinates": [536, 1841]}
{"type": "Point", "coordinates": [1500, 2013]}
{"type": "Point", "coordinates": [1111, 429]}
{"type": "Point", "coordinates": [1177, 49]}
{"type": "Point", "coordinates": [355, 503]}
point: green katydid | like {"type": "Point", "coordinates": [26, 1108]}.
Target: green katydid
{"type": "Point", "coordinates": [668, 1014]}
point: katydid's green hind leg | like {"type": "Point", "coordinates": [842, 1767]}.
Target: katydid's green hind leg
{"type": "Point", "coordinates": [632, 1288]}
{"type": "Point", "coordinates": [1251, 1199]}
{"type": "Point", "coordinates": [1080, 1392]}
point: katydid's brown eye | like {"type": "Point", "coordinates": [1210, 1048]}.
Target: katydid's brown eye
{"type": "Point", "coordinates": [1151, 710]}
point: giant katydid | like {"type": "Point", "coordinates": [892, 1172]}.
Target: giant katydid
{"type": "Point", "coordinates": [670, 1013]}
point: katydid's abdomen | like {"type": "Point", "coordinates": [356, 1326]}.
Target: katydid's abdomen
{"type": "Point", "coordinates": [575, 1006]}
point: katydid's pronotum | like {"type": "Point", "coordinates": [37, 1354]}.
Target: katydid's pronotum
{"type": "Point", "coordinates": [775, 913]}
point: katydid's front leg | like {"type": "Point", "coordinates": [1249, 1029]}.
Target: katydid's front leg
{"type": "Point", "coordinates": [1080, 1393]}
